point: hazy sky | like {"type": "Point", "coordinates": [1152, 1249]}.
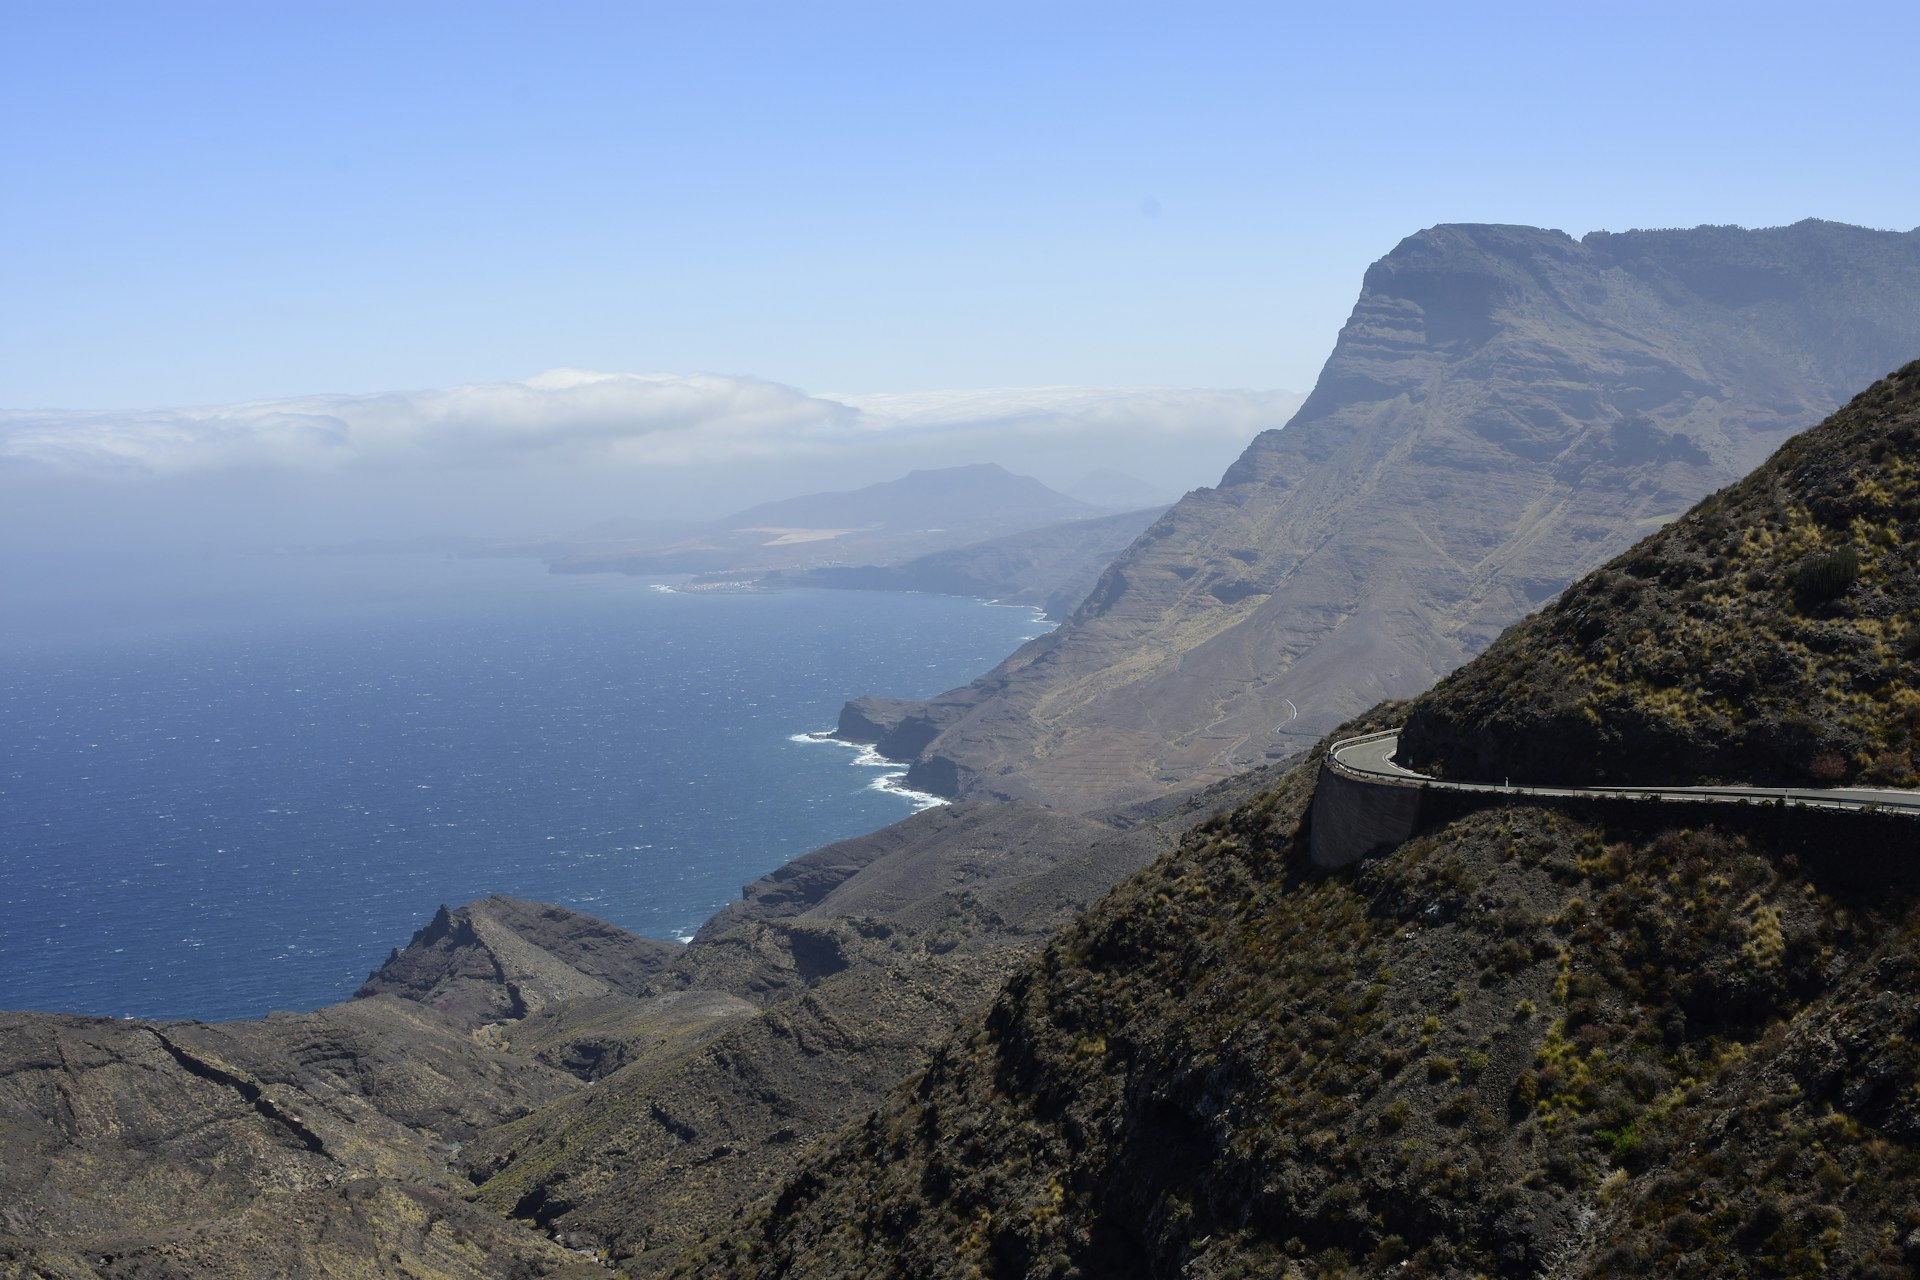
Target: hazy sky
{"type": "Point", "coordinates": [211, 203]}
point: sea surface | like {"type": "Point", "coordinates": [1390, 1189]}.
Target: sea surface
{"type": "Point", "coordinates": [234, 789]}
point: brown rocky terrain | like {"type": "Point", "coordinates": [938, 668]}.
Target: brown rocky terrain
{"type": "Point", "coordinates": [1773, 635]}
{"type": "Point", "coordinates": [1506, 409]}
{"type": "Point", "coordinates": [1571, 1038]}
{"type": "Point", "coordinates": [523, 1089]}
{"type": "Point", "coordinates": [305, 1144]}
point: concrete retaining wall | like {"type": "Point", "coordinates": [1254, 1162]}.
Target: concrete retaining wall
{"type": "Point", "coordinates": [1857, 850]}
{"type": "Point", "coordinates": [1353, 819]}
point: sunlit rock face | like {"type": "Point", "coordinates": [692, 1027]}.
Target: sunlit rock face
{"type": "Point", "coordinates": [1506, 409]}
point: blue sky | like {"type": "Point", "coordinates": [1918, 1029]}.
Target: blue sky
{"type": "Point", "coordinates": [795, 231]}
{"type": "Point", "coordinates": [215, 202]}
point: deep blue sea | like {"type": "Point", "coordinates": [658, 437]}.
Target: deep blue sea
{"type": "Point", "coordinates": [234, 789]}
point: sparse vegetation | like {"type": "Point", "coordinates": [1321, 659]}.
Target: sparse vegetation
{"type": "Point", "coordinates": [1771, 635]}
{"type": "Point", "coordinates": [1524, 1041]}
{"type": "Point", "coordinates": [1251, 1108]}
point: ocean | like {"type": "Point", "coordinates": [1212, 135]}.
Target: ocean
{"type": "Point", "coordinates": [234, 790]}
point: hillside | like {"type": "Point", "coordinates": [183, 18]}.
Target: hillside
{"type": "Point", "coordinates": [1772, 636]}
{"type": "Point", "coordinates": [521, 1082]}
{"type": "Point", "coordinates": [1506, 409]}
{"type": "Point", "coordinates": [1573, 1041]}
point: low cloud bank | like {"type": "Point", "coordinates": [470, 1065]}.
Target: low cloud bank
{"type": "Point", "coordinates": [555, 454]}
{"type": "Point", "coordinates": [642, 421]}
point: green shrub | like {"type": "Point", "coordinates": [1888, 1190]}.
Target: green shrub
{"type": "Point", "coordinates": [1823, 576]}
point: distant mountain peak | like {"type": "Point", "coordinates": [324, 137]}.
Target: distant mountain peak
{"type": "Point", "coordinates": [1118, 491]}
{"type": "Point", "coordinates": [982, 495]}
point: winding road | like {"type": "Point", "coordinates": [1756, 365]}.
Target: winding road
{"type": "Point", "coordinates": [1369, 758]}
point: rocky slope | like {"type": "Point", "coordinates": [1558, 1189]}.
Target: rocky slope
{"type": "Point", "coordinates": [1772, 635]}
{"type": "Point", "coordinates": [302, 1144]}
{"type": "Point", "coordinates": [1506, 409]}
{"type": "Point", "coordinates": [1580, 1041]}
{"type": "Point", "coordinates": [504, 958]}
{"type": "Point", "coordinates": [522, 1089]}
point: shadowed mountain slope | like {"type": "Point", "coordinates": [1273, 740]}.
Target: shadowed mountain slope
{"type": "Point", "coordinates": [1506, 409]}
{"type": "Point", "coordinates": [1773, 635]}
{"type": "Point", "coordinates": [1580, 1042]}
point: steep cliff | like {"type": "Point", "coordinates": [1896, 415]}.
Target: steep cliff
{"type": "Point", "coordinates": [1506, 409]}
{"type": "Point", "coordinates": [1582, 1041]}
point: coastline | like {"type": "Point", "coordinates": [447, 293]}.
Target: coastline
{"type": "Point", "coordinates": [865, 757]}
{"type": "Point", "coordinates": [663, 708]}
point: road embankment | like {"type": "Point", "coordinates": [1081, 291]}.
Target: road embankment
{"type": "Point", "coordinates": [1365, 805]}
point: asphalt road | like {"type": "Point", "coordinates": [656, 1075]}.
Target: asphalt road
{"type": "Point", "coordinates": [1370, 759]}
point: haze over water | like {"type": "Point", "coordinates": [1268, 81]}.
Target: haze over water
{"type": "Point", "coordinates": [235, 792]}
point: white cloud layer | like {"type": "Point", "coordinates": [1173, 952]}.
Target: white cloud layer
{"type": "Point", "coordinates": [645, 422]}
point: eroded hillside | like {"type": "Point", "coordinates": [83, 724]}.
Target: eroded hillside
{"type": "Point", "coordinates": [1506, 409]}
{"type": "Point", "coordinates": [1599, 1039]}
{"type": "Point", "coordinates": [1773, 635]}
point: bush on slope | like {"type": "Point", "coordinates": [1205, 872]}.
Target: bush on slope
{"type": "Point", "coordinates": [1771, 635]}
{"type": "Point", "coordinates": [1521, 1042]}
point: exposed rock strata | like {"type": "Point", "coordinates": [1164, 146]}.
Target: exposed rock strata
{"type": "Point", "coordinates": [1506, 409]}
{"type": "Point", "coordinates": [1524, 1042]}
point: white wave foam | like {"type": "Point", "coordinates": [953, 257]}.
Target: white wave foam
{"type": "Point", "coordinates": [894, 784]}
{"type": "Point", "coordinates": [865, 757]}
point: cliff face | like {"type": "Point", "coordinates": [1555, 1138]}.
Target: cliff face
{"type": "Point", "coordinates": [1773, 635]}
{"type": "Point", "coordinates": [1526, 1042]}
{"type": "Point", "coordinates": [1506, 409]}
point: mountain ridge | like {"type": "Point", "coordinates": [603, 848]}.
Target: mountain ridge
{"type": "Point", "coordinates": [1527, 1041]}
{"type": "Point", "coordinates": [1506, 408]}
